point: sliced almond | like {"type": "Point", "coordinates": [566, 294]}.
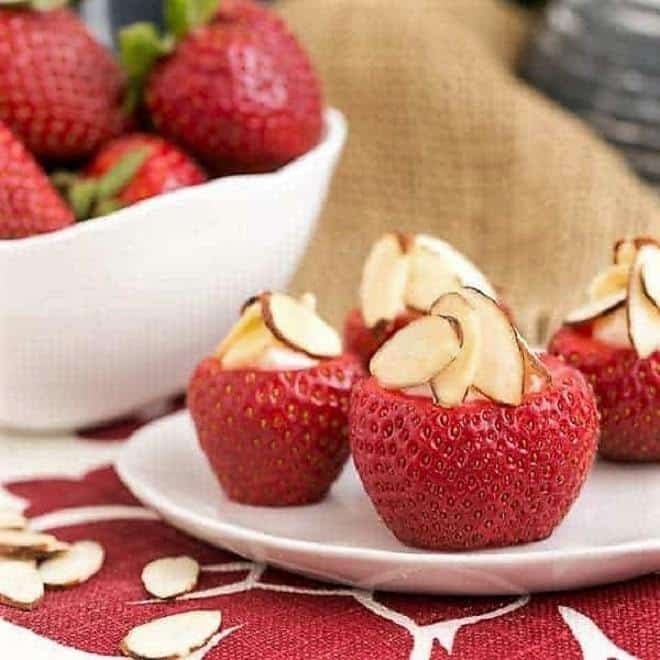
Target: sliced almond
{"type": "Point", "coordinates": [428, 278]}
{"type": "Point", "coordinates": [416, 353]}
{"type": "Point", "coordinates": [596, 309]}
{"type": "Point", "coordinates": [650, 273]}
{"type": "Point", "coordinates": [170, 576]}
{"type": "Point", "coordinates": [643, 313]}
{"type": "Point", "coordinates": [248, 346]}
{"type": "Point", "coordinates": [12, 519]}
{"type": "Point", "coordinates": [501, 372]}
{"type": "Point", "coordinates": [384, 278]}
{"type": "Point", "coordinates": [20, 584]}
{"type": "Point", "coordinates": [458, 263]}
{"type": "Point", "coordinates": [612, 328]}
{"type": "Point", "coordinates": [27, 545]}
{"type": "Point", "coordinates": [298, 327]}
{"type": "Point", "coordinates": [613, 280]}
{"type": "Point", "coordinates": [626, 249]}
{"type": "Point", "coordinates": [249, 320]}
{"type": "Point", "coordinates": [452, 384]}
{"type": "Point", "coordinates": [308, 300]}
{"type": "Point", "coordinates": [74, 566]}
{"type": "Point", "coordinates": [534, 367]}
{"type": "Point", "coordinates": [170, 637]}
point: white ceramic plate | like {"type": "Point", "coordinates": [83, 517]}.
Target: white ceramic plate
{"type": "Point", "coordinates": [612, 533]}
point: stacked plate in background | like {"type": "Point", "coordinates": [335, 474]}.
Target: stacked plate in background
{"type": "Point", "coordinates": [601, 59]}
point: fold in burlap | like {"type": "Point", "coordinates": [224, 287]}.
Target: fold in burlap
{"type": "Point", "coordinates": [445, 139]}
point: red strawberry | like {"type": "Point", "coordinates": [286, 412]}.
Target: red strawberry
{"type": "Point", "coordinates": [238, 92]}
{"type": "Point", "coordinates": [627, 390]}
{"type": "Point", "coordinates": [364, 341]}
{"type": "Point", "coordinates": [129, 169]}
{"type": "Point", "coordinates": [274, 438]}
{"type": "Point", "coordinates": [28, 202]}
{"type": "Point", "coordinates": [60, 90]}
{"type": "Point", "coordinates": [480, 474]}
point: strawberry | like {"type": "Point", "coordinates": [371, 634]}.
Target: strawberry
{"type": "Point", "coordinates": [627, 390]}
{"type": "Point", "coordinates": [479, 474]}
{"type": "Point", "coordinates": [364, 341]}
{"type": "Point", "coordinates": [28, 202]}
{"type": "Point", "coordinates": [274, 438]}
{"type": "Point", "coordinates": [127, 170]}
{"type": "Point", "coordinates": [60, 90]}
{"type": "Point", "coordinates": [238, 90]}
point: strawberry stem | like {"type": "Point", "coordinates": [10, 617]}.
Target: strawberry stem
{"type": "Point", "coordinates": [37, 5]}
{"type": "Point", "coordinates": [140, 46]}
{"type": "Point", "coordinates": [183, 16]}
{"type": "Point", "coordinates": [92, 197]}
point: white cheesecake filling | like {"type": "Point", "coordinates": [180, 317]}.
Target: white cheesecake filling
{"type": "Point", "coordinates": [281, 358]}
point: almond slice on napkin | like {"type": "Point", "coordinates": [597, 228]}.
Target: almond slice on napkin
{"type": "Point", "coordinates": [29, 545]}
{"type": "Point", "coordinates": [171, 637]}
{"type": "Point", "coordinates": [74, 566]}
{"type": "Point", "coordinates": [20, 584]}
{"type": "Point", "coordinates": [170, 576]}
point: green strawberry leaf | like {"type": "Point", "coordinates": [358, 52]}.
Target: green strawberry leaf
{"type": "Point", "coordinates": [117, 178]}
{"type": "Point", "coordinates": [140, 45]}
{"type": "Point", "coordinates": [82, 195]}
{"type": "Point", "coordinates": [183, 16]}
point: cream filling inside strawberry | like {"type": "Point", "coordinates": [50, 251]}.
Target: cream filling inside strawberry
{"type": "Point", "coordinates": [282, 358]}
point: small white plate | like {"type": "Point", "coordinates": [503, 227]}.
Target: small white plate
{"type": "Point", "coordinates": [612, 533]}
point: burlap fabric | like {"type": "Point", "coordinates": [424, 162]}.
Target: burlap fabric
{"type": "Point", "coordinates": [445, 139]}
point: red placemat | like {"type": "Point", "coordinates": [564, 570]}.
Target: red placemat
{"type": "Point", "coordinates": [272, 615]}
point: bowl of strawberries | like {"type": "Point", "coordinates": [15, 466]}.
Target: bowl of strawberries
{"type": "Point", "coordinates": [141, 201]}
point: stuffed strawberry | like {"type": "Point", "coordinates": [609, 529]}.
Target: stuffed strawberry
{"type": "Point", "coordinates": [463, 437]}
{"type": "Point", "coordinates": [237, 90]}
{"type": "Point", "coordinates": [127, 170]}
{"type": "Point", "coordinates": [270, 407]}
{"type": "Point", "coordinates": [28, 202]}
{"type": "Point", "coordinates": [61, 92]}
{"type": "Point", "coordinates": [615, 341]}
{"type": "Point", "coordinates": [402, 276]}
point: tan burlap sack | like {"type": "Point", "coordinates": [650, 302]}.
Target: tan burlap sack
{"type": "Point", "coordinates": [444, 139]}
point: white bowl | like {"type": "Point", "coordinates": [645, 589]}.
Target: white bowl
{"type": "Point", "coordinates": [110, 315]}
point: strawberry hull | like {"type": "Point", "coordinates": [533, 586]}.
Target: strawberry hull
{"type": "Point", "coordinates": [364, 341]}
{"type": "Point", "coordinates": [274, 438]}
{"type": "Point", "coordinates": [627, 391]}
{"type": "Point", "coordinates": [479, 475]}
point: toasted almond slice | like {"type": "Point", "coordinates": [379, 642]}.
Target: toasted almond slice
{"type": "Point", "coordinates": [452, 384]}
{"type": "Point", "coordinates": [626, 249]}
{"type": "Point", "coordinates": [611, 281]}
{"type": "Point", "coordinates": [250, 318]}
{"type": "Point", "coordinates": [384, 277]}
{"type": "Point", "coordinates": [651, 278]}
{"type": "Point", "coordinates": [612, 328]}
{"type": "Point", "coordinates": [27, 545]}
{"type": "Point", "coordinates": [596, 309]}
{"type": "Point", "coordinates": [428, 278]}
{"type": "Point", "coordinates": [416, 353]}
{"type": "Point", "coordinates": [170, 637]}
{"type": "Point", "coordinates": [458, 263]}
{"type": "Point", "coordinates": [74, 566]}
{"type": "Point", "coordinates": [643, 313]}
{"type": "Point", "coordinates": [20, 583]}
{"type": "Point", "coordinates": [534, 367]}
{"type": "Point", "coordinates": [501, 372]}
{"type": "Point", "coordinates": [308, 300]}
{"type": "Point", "coordinates": [299, 327]}
{"type": "Point", "coordinates": [170, 576]}
{"type": "Point", "coordinates": [248, 346]}
{"type": "Point", "coordinates": [12, 519]}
